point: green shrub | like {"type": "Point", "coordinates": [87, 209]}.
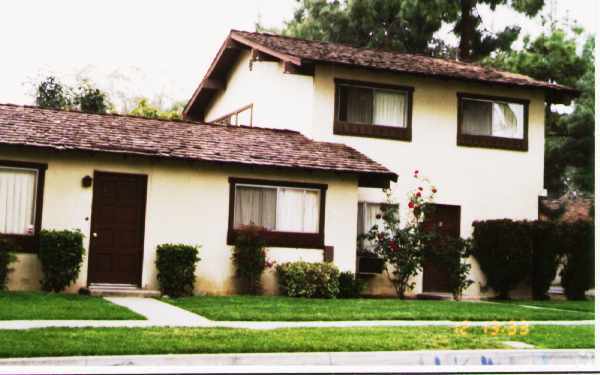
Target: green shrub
{"type": "Point", "coordinates": [577, 243]}
{"type": "Point", "coordinates": [176, 265]}
{"type": "Point", "coordinates": [447, 253]}
{"type": "Point", "coordinates": [350, 286]}
{"type": "Point", "coordinates": [6, 258]}
{"type": "Point", "coordinates": [545, 248]}
{"type": "Point", "coordinates": [311, 280]}
{"type": "Point", "coordinates": [61, 254]}
{"type": "Point", "coordinates": [503, 250]}
{"type": "Point", "coordinates": [249, 258]}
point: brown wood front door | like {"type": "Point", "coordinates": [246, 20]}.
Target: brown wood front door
{"type": "Point", "coordinates": [445, 219]}
{"type": "Point", "coordinates": [117, 228]}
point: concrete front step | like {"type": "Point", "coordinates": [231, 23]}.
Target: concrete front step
{"type": "Point", "coordinates": [121, 290]}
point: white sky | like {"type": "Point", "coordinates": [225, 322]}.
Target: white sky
{"type": "Point", "coordinates": [154, 48]}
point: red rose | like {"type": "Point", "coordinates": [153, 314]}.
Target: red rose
{"type": "Point", "coordinates": [416, 171]}
{"type": "Point", "coordinates": [418, 194]}
{"type": "Point", "coordinates": [434, 190]}
{"type": "Point", "coordinates": [378, 216]}
{"type": "Point", "coordinates": [411, 205]}
{"type": "Point", "coordinates": [420, 188]}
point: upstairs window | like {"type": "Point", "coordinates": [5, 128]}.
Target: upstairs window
{"type": "Point", "coordinates": [290, 213]}
{"type": "Point", "coordinates": [373, 110]}
{"type": "Point", "coordinates": [492, 122]}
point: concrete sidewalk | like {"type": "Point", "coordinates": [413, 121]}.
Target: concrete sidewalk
{"type": "Point", "coordinates": [161, 314]}
{"type": "Point", "coordinates": [406, 358]}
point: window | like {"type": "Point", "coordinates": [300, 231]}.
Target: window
{"type": "Point", "coordinates": [492, 122]}
{"type": "Point", "coordinates": [373, 110]}
{"type": "Point", "coordinates": [367, 218]}
{"type": "Point", "coordinates": [242, 116]}
{"type": "Point", "coordinates": [21, 188]}
{"type": "Point", "coordinates": [291, 213]}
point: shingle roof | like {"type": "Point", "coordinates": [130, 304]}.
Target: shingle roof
{"type": "Point", "coordinates": [308, 51]}
{"type": "Point", "coordinates": [238, 145]}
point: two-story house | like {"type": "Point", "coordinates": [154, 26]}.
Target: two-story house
{"type": "Point", "coordinates": [475, 132]}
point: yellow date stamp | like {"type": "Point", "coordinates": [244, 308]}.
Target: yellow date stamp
{"type": "Point", "coordinates": [494, 328]}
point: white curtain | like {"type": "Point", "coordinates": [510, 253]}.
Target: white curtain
{"type": "Point", "coordinates": [388, 108]}
{"type": "Point", "coordinates": [255, 205]}
{"type": "Point", "coordinates": [507, 120]}
{"type": "Point", "coordinates": [17, 200]}
{"type": "Point", "coordinates": [311, 211]}
{"type": "Point", "coordinates": [297, 210]}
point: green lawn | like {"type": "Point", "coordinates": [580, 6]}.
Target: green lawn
{"type": "Point", "coordinates": [115, 341]}
{"type": "Point", "coordinates": [584, 306]}
{"type": "Point", "coordinates": [262, 308]}
{"type": "Point", "coordinates": [53, 306]}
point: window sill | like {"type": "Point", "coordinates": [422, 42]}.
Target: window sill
{"type": "Point", "coordinates": [372, 131]}
{"type": "Point", "coordinates": [23, 243]}
{"type": "Point", "coordinates": [492, 142]}
{"type": "Point", "coordinates": [286, 239]}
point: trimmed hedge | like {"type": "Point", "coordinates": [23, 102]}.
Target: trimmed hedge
{"type": "Point", "coordinates": [311, 280]}
{"type": "Point", "coordinates": [510, 252]}
{"type": "Point", "coordinates": [176, 265]}
{"type": "Point", "coordinates": [502, 249]}
{"type": "Point", "coordinates": [349, 285]}
{"type": "Point", "coordinates": [61, 255]}
{"type": "Point", "coordinates": [577, 274]}
{"type": "Point", "coordinates": [6, 258]}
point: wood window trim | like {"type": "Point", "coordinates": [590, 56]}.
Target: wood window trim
{"type": "Point", "coordinates": [486, 141]}
{"type": "Point", "coordinates": [374, 131]}
{"type": "Point", "coordinates": [281, 239]}
{"type": "Point", "coordinates": [29, 243]}
{"type": "Point", "coordinates": [236, 113]}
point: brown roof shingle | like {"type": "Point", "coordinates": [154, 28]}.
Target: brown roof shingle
{"type": "Point", "coordinates": [308, 51]}
{"type": "Point", "coordinates": [71, 130]}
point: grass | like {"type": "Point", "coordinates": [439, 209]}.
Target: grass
{"type": "Point", "coordinates": [52, 306]}
{"type": "Point", "coordinates": [121, 341]}
{"type": "Point", "coordinates": [262, 308]}
{"type": "Point", "coordinates": [583, 306]}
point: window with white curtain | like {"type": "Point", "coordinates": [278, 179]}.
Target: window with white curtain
{"type": "Point", "coordinates": [367, 218]}
{"type": "Point", "coordinates": [372, 106]}
{"type": "Point", "coordinates": [493, 118]}
{"type": "Point", "coordinates": [277, 208]}
{"type": "Point", "coordinates": [17, 200]}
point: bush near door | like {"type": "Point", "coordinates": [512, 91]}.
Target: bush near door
{"type": "Point", "coordinates": [311, 280]}
{"type": "Point", "coordinates": [350, 286]}
{"type": "Point", "coordinates": [61, 254]}
{"type": "Point", "coordinates": [546, 254]}
{"type": "Point", "coordinates": [176, 265]}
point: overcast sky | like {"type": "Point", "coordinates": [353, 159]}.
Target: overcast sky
{"type": "Point", "coordinates": [154, 48]}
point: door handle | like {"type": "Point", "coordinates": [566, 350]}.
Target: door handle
{"type": "Point", "coordinates": [95, 235]}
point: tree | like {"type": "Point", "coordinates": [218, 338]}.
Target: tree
{"type": "Point", "coordinates": [399, 25]}
{"type": "Point", "coordinates": [51, 93]}
{"type": "Point", "coordinates": [90, 99]}
{"type": "Point", "coordinates": [407, 25]}
{"type": "Point", "coordinates": [553, 57]}
{"type": "Point", "coordinates": [146, 109]}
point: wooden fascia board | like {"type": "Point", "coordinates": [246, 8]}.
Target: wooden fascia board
{"type": "Point", "coordinates": [259, 47]}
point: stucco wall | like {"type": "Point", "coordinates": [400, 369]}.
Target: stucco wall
{"type": "Point", "coordinates": [280, 100]}
{"type": "Point", "coordinates": [486, 183]}
{"type": "Point", "coordinates": [185, 204]}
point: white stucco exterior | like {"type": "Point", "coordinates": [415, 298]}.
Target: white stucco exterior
{"type": "Point", "coordinates": [486, 183]}
{"type": "Point", "coordinates": [186, 203]}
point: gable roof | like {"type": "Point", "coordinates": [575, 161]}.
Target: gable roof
{"type": "Point", "coordinates": [303, 54]}
{"type": "Point", "coordinates": [232, 145]}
